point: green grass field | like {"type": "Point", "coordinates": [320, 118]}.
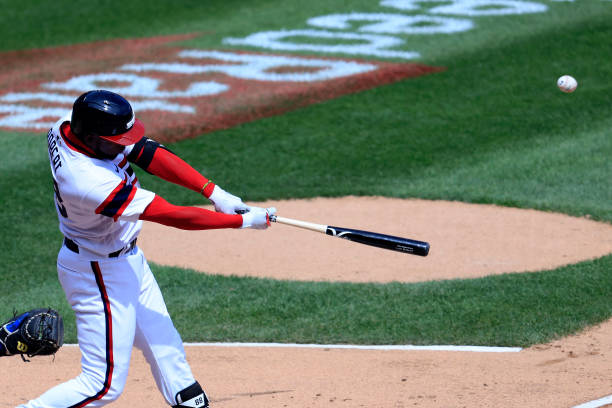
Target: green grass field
{"type": "Point", "coordinates": [491, 128]}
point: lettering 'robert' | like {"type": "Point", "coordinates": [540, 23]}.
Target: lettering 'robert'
{"type": "Point", "coordinates": [54, 157]}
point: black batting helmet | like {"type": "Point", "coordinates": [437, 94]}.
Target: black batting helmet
{"type": "Point", "coordinates": [106, 115]}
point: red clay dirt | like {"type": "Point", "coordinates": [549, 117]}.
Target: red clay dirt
{"type": "Point", "coordinates": [467, 241]}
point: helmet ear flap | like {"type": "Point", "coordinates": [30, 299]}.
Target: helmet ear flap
{"type": "Point", "coordinates": [76, 123]}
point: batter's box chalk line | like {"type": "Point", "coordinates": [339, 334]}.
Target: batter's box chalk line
{"type": "Point", "coordinates": [392, 347]}
{"type": "Point", "coordinates": [597, 403]}
{"type": "Point", "coordinates": [481, 349]}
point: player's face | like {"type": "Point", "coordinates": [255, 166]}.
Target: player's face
{"type": "Point", "coordinates": [109, 149]}
{"type": "Point", "coordinates": [103, 148]}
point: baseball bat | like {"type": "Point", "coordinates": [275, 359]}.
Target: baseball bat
{"type": "Point", "coordinates": [405, 245]}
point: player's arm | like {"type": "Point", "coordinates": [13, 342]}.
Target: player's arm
{"type": "Point", "coordinates": [158, 160]}
{"type": "Point", "coordinates": [195, 218]}
{"type": "Point", "coordinates": [118, 199]}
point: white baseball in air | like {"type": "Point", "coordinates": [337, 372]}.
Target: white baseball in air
{"type": "Point", "coordinates": [567, 83]}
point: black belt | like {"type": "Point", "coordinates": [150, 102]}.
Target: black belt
{"type": "Point", "coordinates": [71, 245]}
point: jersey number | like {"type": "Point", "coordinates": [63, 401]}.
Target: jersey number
{"type": "Point", "coordinates": [58, 200]}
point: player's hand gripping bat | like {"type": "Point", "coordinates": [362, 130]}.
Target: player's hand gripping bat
{"type": "Point", "coordinates": [405, 245]}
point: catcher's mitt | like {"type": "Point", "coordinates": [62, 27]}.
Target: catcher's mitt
{"type": "Point", "coordinates": [37, 332]}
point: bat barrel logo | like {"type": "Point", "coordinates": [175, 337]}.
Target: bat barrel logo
{"type": "Point", "coordinates": [404, 248]}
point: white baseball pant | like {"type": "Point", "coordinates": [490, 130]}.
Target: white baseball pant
{"type": "Point", "coordinates": [118, 305]}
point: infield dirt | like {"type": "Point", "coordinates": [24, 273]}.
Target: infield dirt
{"type": "Point", "coordinates": [467, 241]}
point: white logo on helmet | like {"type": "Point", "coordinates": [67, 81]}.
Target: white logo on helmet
{"type": "Point", "coordinates": [129, 125]}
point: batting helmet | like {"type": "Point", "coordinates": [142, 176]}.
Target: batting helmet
{"type": "Point", "coordinates": [107, 115]}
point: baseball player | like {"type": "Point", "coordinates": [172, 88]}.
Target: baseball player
{"type": "Point", "coordinates": [104, 274]}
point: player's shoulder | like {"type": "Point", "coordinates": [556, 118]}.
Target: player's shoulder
{"type": "Point", "coordinates": [85, 180]}
{"type": "Point", "coordinates": [91, 170]}
{"type": "Point", "coordinates": [82, 173]}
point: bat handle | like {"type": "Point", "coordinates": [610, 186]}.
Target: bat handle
{"type": "Point", "coordinates": [300, 224]}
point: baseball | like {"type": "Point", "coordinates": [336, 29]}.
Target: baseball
{"type": "Point", "coordinates": [567, 83]}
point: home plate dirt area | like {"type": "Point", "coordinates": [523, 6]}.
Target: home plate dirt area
{"type": "Point", "coordinates": [467, 241]}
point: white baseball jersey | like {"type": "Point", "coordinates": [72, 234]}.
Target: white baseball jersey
{"type": "Point", "coordinates": [98, 201]}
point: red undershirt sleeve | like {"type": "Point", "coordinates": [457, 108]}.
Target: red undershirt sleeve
{"type": "Point", "coordinates": [188, 218]}
{"type": "Point", "coordinates": [172, 168]}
